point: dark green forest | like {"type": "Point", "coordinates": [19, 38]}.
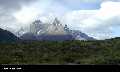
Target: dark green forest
{"type": "Point", "coordinates": [61, 52]}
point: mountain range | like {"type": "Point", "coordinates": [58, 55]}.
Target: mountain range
{"type": "Point", "coordinates": [45, 31]}
{"type": "Point", "coordinates": [54, 31]}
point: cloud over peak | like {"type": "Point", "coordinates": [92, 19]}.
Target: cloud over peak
{"type": "Point", "coordinates": [97, 18]}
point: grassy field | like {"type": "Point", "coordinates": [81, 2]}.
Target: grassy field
{"type": "Point", "coordinates": [64, 52]}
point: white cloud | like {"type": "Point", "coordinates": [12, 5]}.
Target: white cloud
{"type": "Point", "coordinates": [100, 23]}
{"type": "Point", "coordinates": [45, 10]}
{"type": "Point", "coordinates": [7, 9]}
{"type": "Point", "coordinates": [27, 15]}
{"type": "Point", "coordinates": [97, 23]}
{"type": "Point", "coordinates": [42, 9]}
{"type": "Point", "coordinates": [109, 9]}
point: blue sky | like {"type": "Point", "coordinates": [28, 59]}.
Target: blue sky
{"type": "Point", "coordinates": [80, 4]}
{"type": "Point", "coordinates": [97, 18]}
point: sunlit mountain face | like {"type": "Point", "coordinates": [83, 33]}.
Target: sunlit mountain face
{"type": "Point", "coordinates": [99, 19]}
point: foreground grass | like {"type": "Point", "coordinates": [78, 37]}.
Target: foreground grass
{"type": "Point", "coordinates": [64, 52]}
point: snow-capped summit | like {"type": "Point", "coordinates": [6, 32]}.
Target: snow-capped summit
{"type": "Point", "coordinates": [78, 35]}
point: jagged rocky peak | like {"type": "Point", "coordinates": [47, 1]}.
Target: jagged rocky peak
{"type": "Point", "coordinates": [56, 22]}
{"type": "Point", "coordinates": [56, 28]}
{"type": "Point", "coordinates": [66, 28]}
{"type": "Point", "coordinates": [37, 22]}
{"type": "Point", "coordinates": [35, 26]}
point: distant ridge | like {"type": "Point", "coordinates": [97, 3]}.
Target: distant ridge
{"type": "Point", "coordinates": [6, 36]}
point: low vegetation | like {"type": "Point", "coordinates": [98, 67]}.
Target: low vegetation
{"type": "Point", "coordinates": [61, 52]}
